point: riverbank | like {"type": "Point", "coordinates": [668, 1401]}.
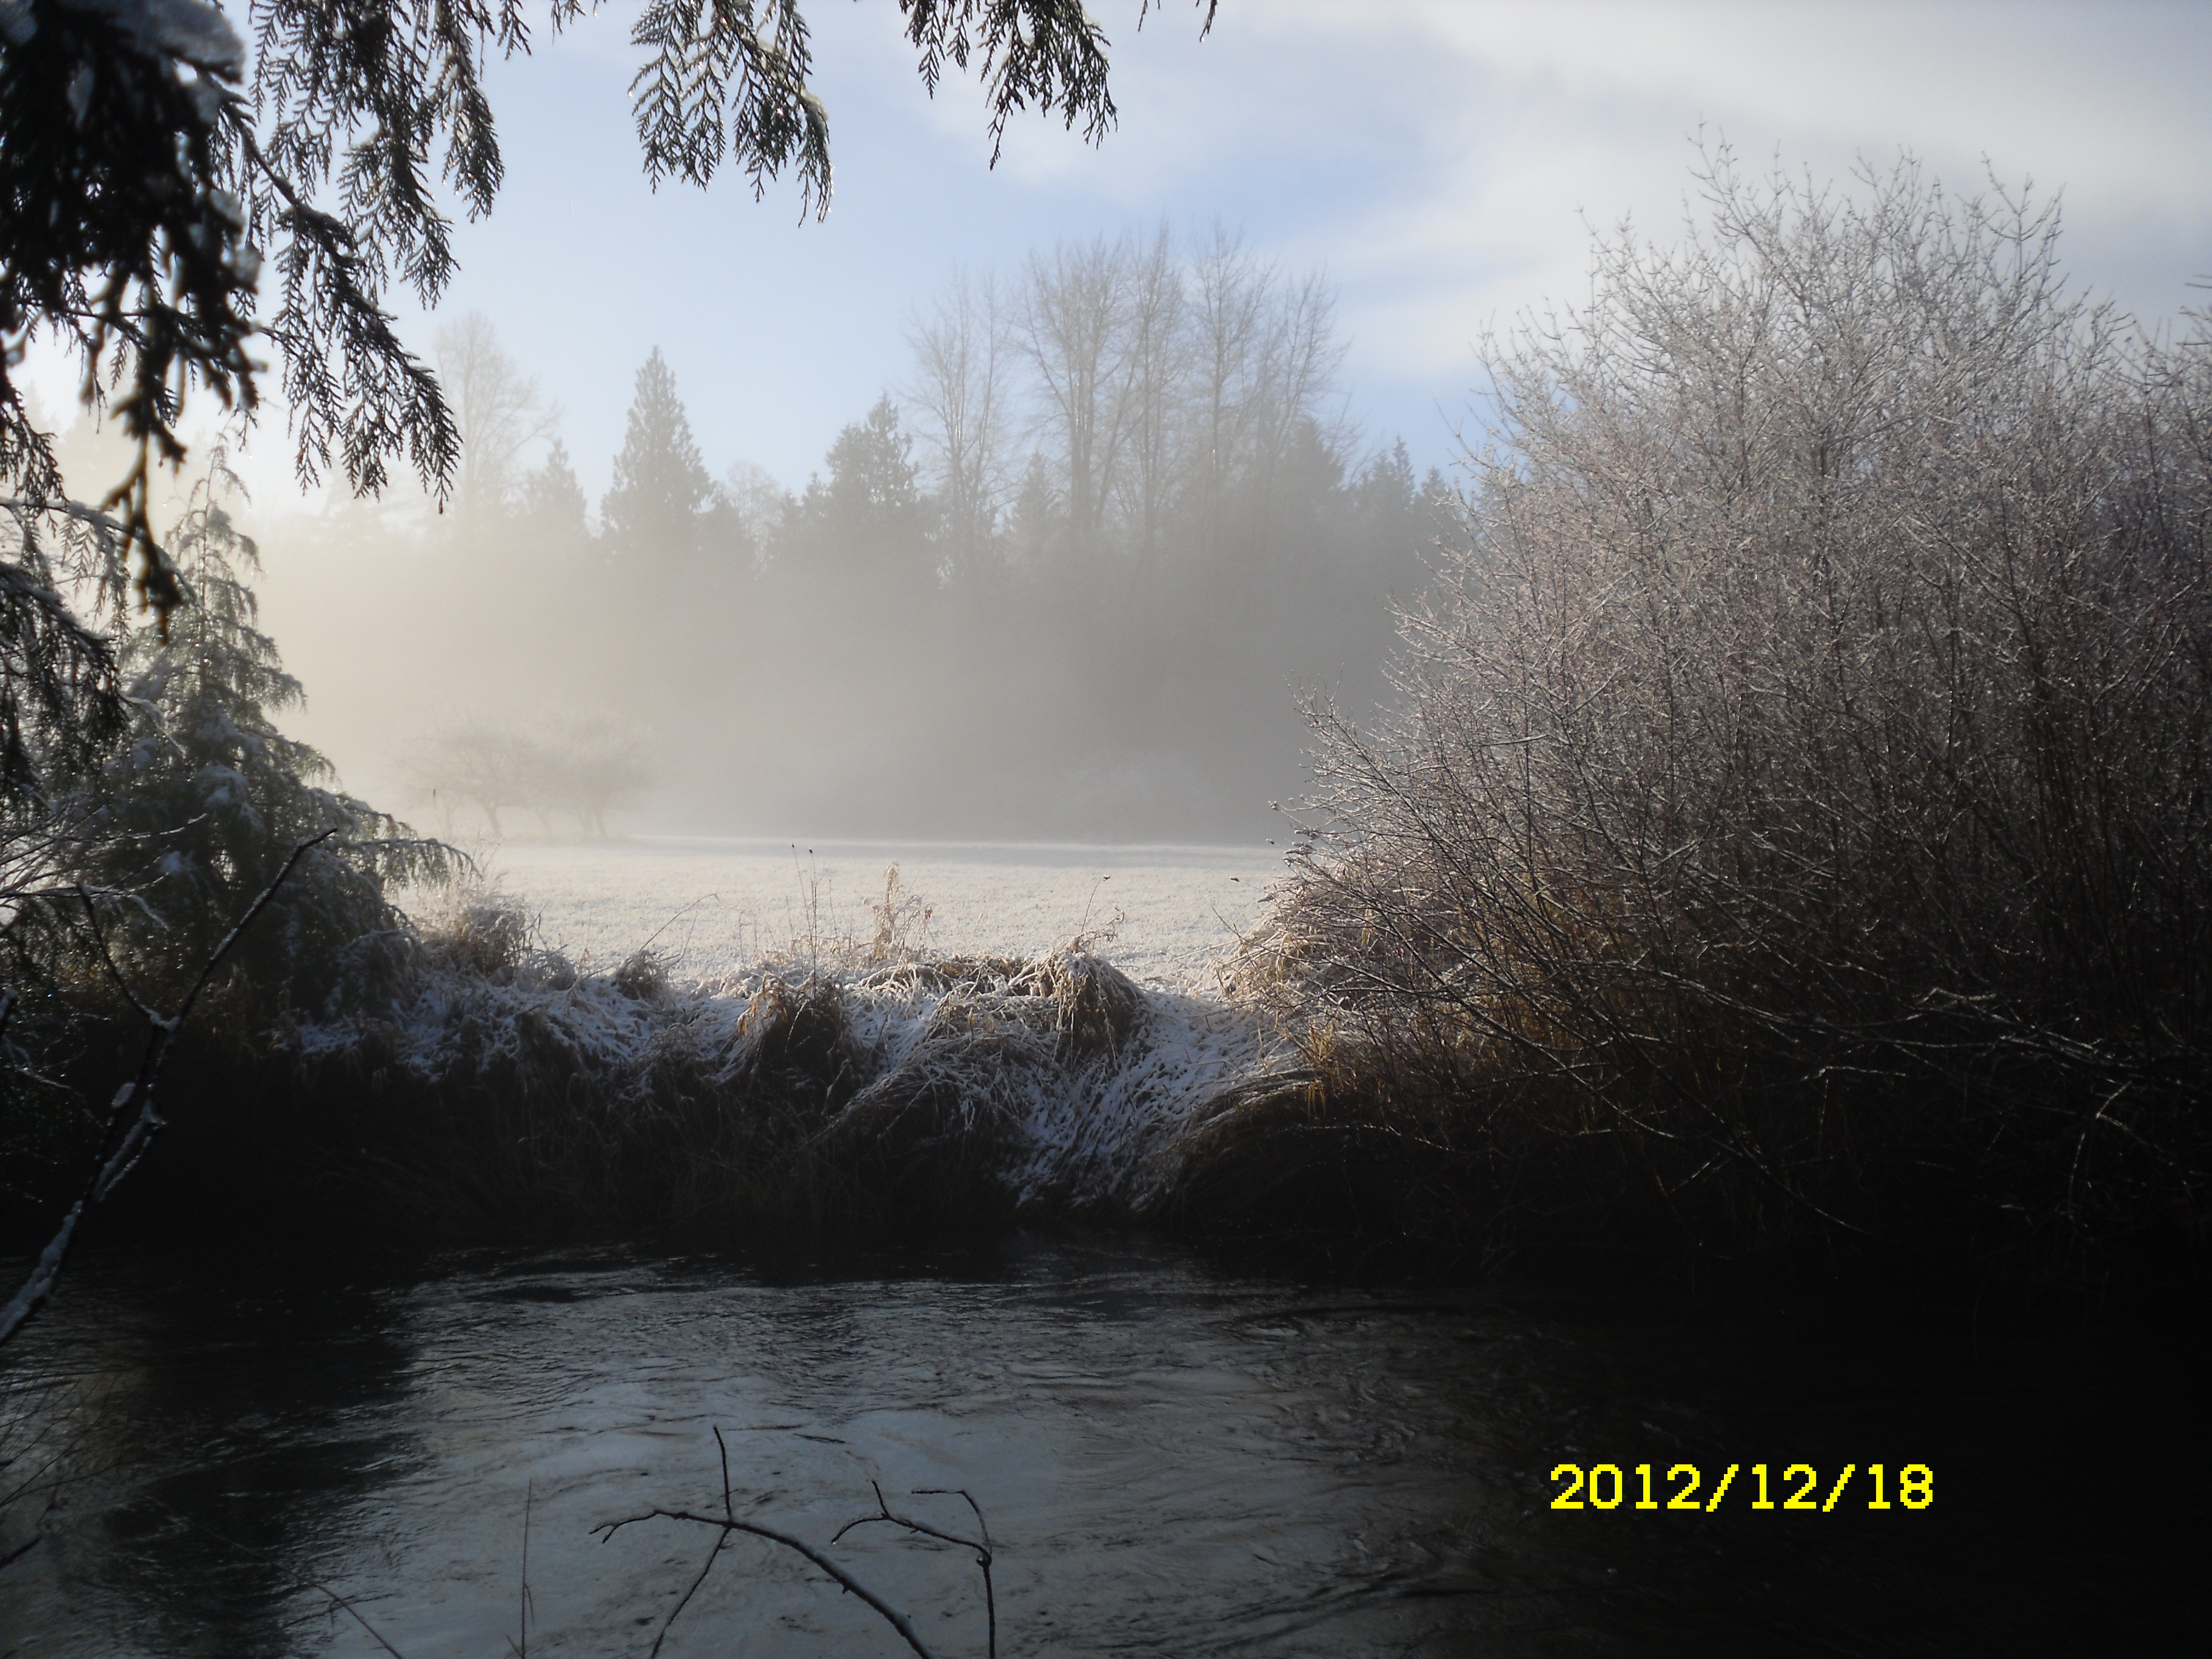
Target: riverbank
{"type": "Point", "coordinates": [622, 1062]}
{"type": "Point", "coordinates": [510, 1099]}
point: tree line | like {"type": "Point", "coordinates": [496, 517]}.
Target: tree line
{"type": "Point", "coordinates": [1066, 575]}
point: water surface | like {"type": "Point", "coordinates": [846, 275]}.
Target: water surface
{"type": "Point", "coordinates": [1173, 1459]}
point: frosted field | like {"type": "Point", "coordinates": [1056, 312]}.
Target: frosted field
{"type": "Point", "coordinates": [1165, 916]}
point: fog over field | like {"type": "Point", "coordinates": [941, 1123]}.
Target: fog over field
{"type": "Point", "coordinates": [1074, 580]}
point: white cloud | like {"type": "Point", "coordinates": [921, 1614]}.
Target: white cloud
{"type": "Point", "coordinates": [1525, 126]}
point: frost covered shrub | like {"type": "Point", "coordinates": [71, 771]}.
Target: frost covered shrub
{"type": "Point", "coordinates": [206, 798]}
{"type": "Point", "coordinates": [479, 934]}
{"type": "Point", "coordinates": [1800, 795]}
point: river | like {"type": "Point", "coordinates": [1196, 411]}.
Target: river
{"type": "Point", "coordinates": [1174, 1458]}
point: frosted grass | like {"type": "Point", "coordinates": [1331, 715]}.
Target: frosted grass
{"type": "Point", "coordinates": [729, 921]}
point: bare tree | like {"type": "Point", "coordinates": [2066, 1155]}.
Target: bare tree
{"type": "Point", "coordinates": [1155, 356]}
{"type": "Point", "coordinates": [473, 763]}
{"type": "Point", "coordinates": [1299, 355]}
{"type": "Point", "coordinates": [750, 494]}
{"type": "Point", "coordinates": [582, 768]}
{"type": "Point", "coordinates": [1229, 300]}
{"type": "Point", "coordinates": [1073, 331]}
{"type": "Point", "coordinates": [959, 388]}
{"type": "Point", "coordinates": [499, 410]}
{"type": "Point", "coordinates": [592, 766]}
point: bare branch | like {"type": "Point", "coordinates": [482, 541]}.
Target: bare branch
{"type": "Point", "coordinates": [126, 1140]}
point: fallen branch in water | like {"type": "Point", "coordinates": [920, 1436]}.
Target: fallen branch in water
{"type": "Point", "coordinates": [982, 1549]}
{"type": "Point", "coordinates": [727, 1523]}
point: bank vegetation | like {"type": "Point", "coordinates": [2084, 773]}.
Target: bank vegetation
{"type": "Point", "coordinates": [1789, 843]}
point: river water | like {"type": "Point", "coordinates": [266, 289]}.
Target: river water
{"type": "Point", "coordinates": [1173, 1458]}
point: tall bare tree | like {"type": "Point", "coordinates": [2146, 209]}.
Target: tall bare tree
{"type": "Point", "coordinates": [958, 387]}
{"type": "Point", "coordinates": [1154, 375]}
{"type": "Point", "coordinates": [1072, 324]}
{"type": "Point", "coordinates": [499, 413]}
{"type": "Point", "coordinates": [1229, 296]}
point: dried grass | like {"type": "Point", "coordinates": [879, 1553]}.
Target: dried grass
{"type": "Point", "coordinates": [847, 1083]}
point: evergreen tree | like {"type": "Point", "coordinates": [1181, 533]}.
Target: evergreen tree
{"type": "Point", "coordinates": [871, 471]}
{"type": "Point", "coordinates": [208, 799]}
{"type": "Point", "coordinates": [1034, 527]}
{"type": "Point", "coordinates": [553, 501]}
{"type": "Point", "coordinates": [661, 487]}
{"type": "Point", "coordinates": [866, 521]}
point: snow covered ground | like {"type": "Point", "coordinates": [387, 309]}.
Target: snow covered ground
{"type": "Point", "coordinates": [1163, 914]}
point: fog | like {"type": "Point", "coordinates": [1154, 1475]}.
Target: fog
{"type": "Point", "coordinates": [1072, 575]}
{"type": "Point", "coordinates": [943, 639]}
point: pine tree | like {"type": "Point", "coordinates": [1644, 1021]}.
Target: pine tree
{"type": "Point", "coordinates": [866, 521]}
{"type": "Point", "coordinates": [661, 487]}
{"type": "Point", "coordinates": [553, 501]}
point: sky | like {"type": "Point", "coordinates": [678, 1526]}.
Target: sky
{"type": "Point", "coordinates": [1445, 163]}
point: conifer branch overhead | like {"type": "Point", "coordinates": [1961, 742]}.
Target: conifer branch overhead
{"type": "Point", "coordinates": [1050, 53]}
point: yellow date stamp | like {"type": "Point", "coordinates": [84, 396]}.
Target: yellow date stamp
{"type": "Point", "coordinates": [1608, 1486]}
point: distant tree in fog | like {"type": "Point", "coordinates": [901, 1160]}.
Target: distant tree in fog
{"type": "Point", "coordinates": [553, 501]}
{"type": "Point", "coordinates": [1153, 357]}
{"type": "Point", "coordinates": [591, 767]}
{"type": "Point", "coordinates": [1073, 304]}
{"type": "Point", "coordinates": [960, 386]}
{"type": "Point", "coordinates": [863, 526]}
{"type": "Point", "coordinates": [473, 765]}
{"type": "Point", "coordinates": [1265, 355]}
{"type": "Point", "coordinates": [661, 488]}
{"type": "Point", "coordinates": [1033, 520]}
{"type": "Point", "coordinates": [499, 413]}
{"type": "Point", "coordinates": [756, 501]}
{"type": "Point", "coordinates": [582, 769]}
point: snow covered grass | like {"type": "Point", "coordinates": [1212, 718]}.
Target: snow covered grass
{"type": "Point", "coordinates": [710, 1036]}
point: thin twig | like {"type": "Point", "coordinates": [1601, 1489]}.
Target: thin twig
{"type": "Point", "coordinates": [374, 1634]}
{"type": "Point", "coordinates": [982, 1558]}
{"type": "Point", "coordinates": [982, 1549]}
{"type": "Point", "coordinates": [706, 1566]}
{"type": "Point", "coordinates": [897, 1620]}
{"type": "Point", "coordinates": [521, 1650]}
{"type": "Point", "coordinates": [100, 939]}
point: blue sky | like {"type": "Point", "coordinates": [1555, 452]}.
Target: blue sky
{"type": "Point", "coordinates": [1445, 160]}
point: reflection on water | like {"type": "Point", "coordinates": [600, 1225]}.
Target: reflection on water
{"type": "Point", "coordinates": [1172, 1460]}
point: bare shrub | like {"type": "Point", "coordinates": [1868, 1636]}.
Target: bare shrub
{"type": "Point", "coordinates": [1800, 793]}
{"type": "Point", "coordinates": [902, 933]}
{"type": "Point", "coordinates": [481, 933]}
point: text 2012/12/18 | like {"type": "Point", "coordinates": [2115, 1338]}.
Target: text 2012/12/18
{"type": "Point", "coordinates": [1604, 1486]}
